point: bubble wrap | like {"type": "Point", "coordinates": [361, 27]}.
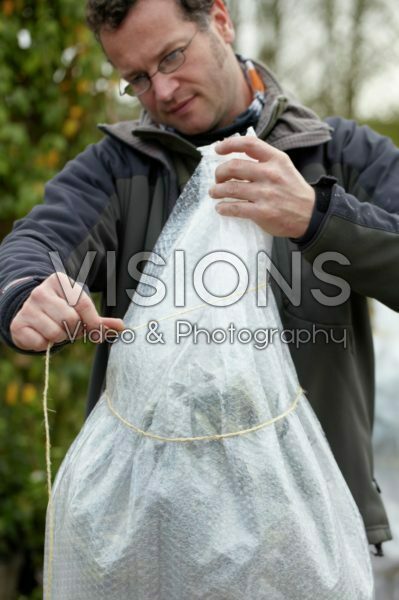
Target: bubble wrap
{"type": "Point", "coordinates": [264, 514]}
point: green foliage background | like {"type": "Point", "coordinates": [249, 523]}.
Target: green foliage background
{"type": "Point", "coordinates": [49, 109]}
{"type": "Point", "coordinates": [53, 93]}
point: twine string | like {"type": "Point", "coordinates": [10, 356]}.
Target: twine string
{"type": "Point", "coordinates": [50, 508]}
{"type": "Point", "coordinates": [205, 438]}
{"type": "Point", "coordinates": [214, 437]}
{"type": "Point", "coordinates": [203, 305]}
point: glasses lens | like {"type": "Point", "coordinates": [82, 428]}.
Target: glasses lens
{"type": "Point", "coordinates": [172, 61]}
{"type": "Point", "coordinates": [135, 88]}
{"type": "Point", "coordinates": [168, 64]}
{"type": "Point", "coordinates": [139, 85]}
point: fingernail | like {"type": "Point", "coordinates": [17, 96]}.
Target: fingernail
{"type": "Point", "coordinates": [211, 191]}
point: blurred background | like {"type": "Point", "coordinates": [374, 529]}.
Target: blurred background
{"type": "Point", "coordinates": [338, 57]}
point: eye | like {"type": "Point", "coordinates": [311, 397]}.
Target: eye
{"type": "Point", "coordinates": [138, 80]}
{"type": "Point", "coordinates": [172, 57]}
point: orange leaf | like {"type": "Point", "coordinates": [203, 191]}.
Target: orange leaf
{"type": "Point", "coordinates": [29, 393]}
{"type": "Point", "coordinates": [76, 112]}
{"type": "Point", "coordinates": [12, 390]}
{"type": "Point", "coordinates": [8, 7]}
{"type": "Point", "coordinates": [70, 128]}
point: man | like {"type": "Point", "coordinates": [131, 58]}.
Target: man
{"type": "Point", "coordinates": [177, 57]}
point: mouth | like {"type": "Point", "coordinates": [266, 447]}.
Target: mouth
{"type": "Point", "coordinates": [181, 107]}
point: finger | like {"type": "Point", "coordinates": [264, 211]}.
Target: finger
{"type": "Point", "coordinates": [43, 303]}
{"type": "Point", "coordinates": [108, 328]}
{"type": "Point", "coordinates": [31, 317]}
{"type": "Point", "coordinates": [236, 168]}
{"type": "Point", "coordinates": [74, 331]}
{"type": "Point", "coordinates": [64, 287]}
{"type": "Point", "coordinates": [46, 331]}
{"type": "Point", "coordinates": [87, 312]}
{"type": "Point", "coordinates": [27, 338]}
{"type": "Point", "coordinates": [83, 314]}
{"type": "Point", "coordinates": [51, 330]}
{"type": "Point", "coordinates": [60, 312]}
{"type": "Point", "coordinates": [243, 210]}
{"type": "Point", "coordinates": [252, 146]}
{"type": "Point", "coordinates": [240, 190]}
{"type": "Point", "coordinates": [112, 323]}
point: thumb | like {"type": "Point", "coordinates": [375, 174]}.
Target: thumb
{"type": "Point", "coordinates": [107, 329]}
{"type": "Point", "coordinates": [112, 323]}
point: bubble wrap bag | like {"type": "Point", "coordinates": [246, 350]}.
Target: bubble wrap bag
{"type": "Point", "coordinates": [202, 473]}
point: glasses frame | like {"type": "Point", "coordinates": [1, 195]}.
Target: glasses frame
{"type": "Point", "coordinates": [126, 88]}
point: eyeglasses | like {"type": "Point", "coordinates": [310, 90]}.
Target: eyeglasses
{"type": "Point", "coordinates": [141, 83]}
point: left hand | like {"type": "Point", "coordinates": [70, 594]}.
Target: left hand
{"type": "Point", "coordinates": [275, 194]}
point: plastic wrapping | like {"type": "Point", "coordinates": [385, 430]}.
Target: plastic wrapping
{"type": "Point", "coordinates": [203, 473]}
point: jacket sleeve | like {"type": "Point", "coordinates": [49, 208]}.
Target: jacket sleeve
{"type": "Point", "coordinates": [361, 222]}
{"type": "Point", "coordinates": [80, 214]}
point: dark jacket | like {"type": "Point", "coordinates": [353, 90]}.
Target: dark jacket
{"type": "Point", "coordinates": [116, 196]}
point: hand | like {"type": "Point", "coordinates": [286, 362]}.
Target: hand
{"type": "Point", "coordinates": [47, 315]}
{"type": "Point", "coordinates": [276, 195]}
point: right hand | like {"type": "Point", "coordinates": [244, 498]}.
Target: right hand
{"type": "Point", "coordinates": [47, 315]}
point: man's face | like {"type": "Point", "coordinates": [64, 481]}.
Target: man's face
{"type": "Point", "coordinates": [206, 91]}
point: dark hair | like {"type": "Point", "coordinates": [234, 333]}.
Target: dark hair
{"type": "Point", "coordinates": [111, 13]}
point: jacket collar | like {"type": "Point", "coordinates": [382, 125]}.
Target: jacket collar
{"type": "Point", "coordinates": [284, 123]}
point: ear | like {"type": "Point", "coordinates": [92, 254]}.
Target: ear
{"type": "Point", "coordinates": [221, 20]}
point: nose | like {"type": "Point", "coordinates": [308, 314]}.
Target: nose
{"type": "Point", "coordinates": [164, 86]}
